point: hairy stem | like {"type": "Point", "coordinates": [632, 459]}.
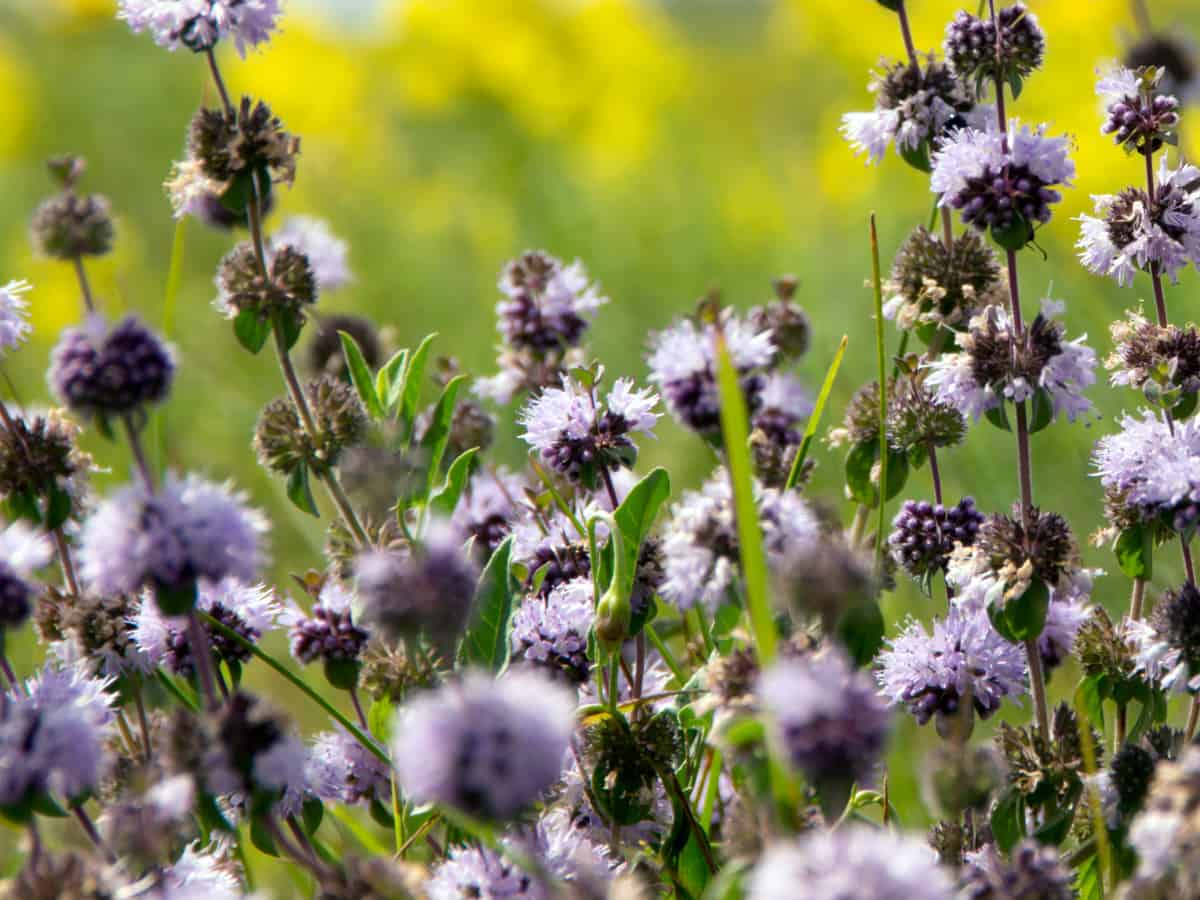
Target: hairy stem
{"type": "Point", "coordinates": [202, 660]}
{"type": "Point", "coordinates": [1037, 683]}
{"type": "Point", "coordinates": [1137, 600]}
{"type": "Point", "coordinates": [215, 71]}
{"type": "Point", "coordinates": [906, 33]}
{"type": "Point", "coordinates": [89, 828]}
{"type": "Point", "coordinates": [85, 288]}
{"type": "Point", "coordinates": [935, 474]}
{"type": "Point", "coordinates": [1160, 300]}
{"type": "Point", "coordinates": [139, 453]}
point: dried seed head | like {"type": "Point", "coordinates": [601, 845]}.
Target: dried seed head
{"type": "Point", "coordinates": [1051, 765]}
{"type": "Point", "coordinates": [283, 444]}
{"type": "Point", "coordinates": [998, 357]}
{"type": "Point", "coordinates": [99, 626]}
{"type": "Point", "coordinates": [917, 421]}
{"type": "Point", "coordinates": [861, 422]}
{"type": "Point", "coordinates": [390, 672]}
{"type": "Point", "coordinates": [1103, 650]}
{"type": "Point", "coordinates": [325, 349]}
{"type": "Point", "coordinates": [69, 226]}
{"type": "Point", "coordinates": [1049, 547]}
{"type": "Point", "coordinates": [952, 841]}
{"type": "Point", "coordinates": [787, 321]}
{"type": "Point", "coordinates": [341, 547]}
{"type": "Point", "coordinates": [1144, 351]}
{"type": "Point", "coordinates": [933, 286]}
{"type": "Point", "coordinates": [37, 454]}
{"type": "Point", "coordinates": [289, 288]}
{"type": "Point", "coordinates": [249, 140]}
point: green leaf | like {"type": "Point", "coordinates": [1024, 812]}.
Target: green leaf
{"type": "Point", "coordinates": [486, 640]}
{"type": "Point", "coordinates": [251, 330]}
{"type": "Point", "coordinates": [389, 382]}
{"type": "Point", "coordinates": [438, 434]}
{"type": "Point", "coordinates": [1058, 819]}
{"type": "Point", "coordinates": [300, 492]}
{"type": "Point", "coordinates": [861, 630]}
{"type": "Point", "coordinates": [917, 157]}
{"type": "Point", "coordinates": [1008, 820]}
{"type": "Point", "coordinates": [1014, 236]}
{"type": "Point", "coordinates": [897, 475]}
{"type": "Point", "coordinates": [635, 517]}
{"type": "Point", "coordinates": [1089, 697]}
{"type": "Point", "coordinates": [1041, 411]}
{"type": "Point", "coordinates": [743, 732]}
{"type": "Point", "coordinates": [260, 837]}
{"type": "Point", "coordinates": [693, 868]}
{"type": "Point", "coordinates": [859, 462]}
{"type": "Point", "coordinates": [445, 498]}
{"type": "Point", "coordinates": [379, 719]}
{"type": "Point", "coordinates": [1026, 614]}
{"type": "Point", "coordinates": [235, 672]}
{"type": "Point", "coordinates": [814, 421]}
{"type": "Point", "coordinates": [735, 430]}
{"type": "Point", "coordinates": [998, 416]}
{"type": "Point", "coordinates": [1135, 552]}
{"type": "Point", "coordinates": [1185, 406]}
{"type": "Point", "coordinates": [360, 375]}
{"type": "Point", "coordinates": [22, 505]}
{"type": "Point", "coordinates": [58, 507]}
{"type": "Point", "coordinates": [1088, 883]}
{"type": "Point", "coordinates": [289, 324]}
{"type": "Point", "coordinates": [414, 377]}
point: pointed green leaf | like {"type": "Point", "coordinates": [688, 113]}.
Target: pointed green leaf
{"type": "Point", "coordinates": [486, 640]}
{"type": "Point", "coordinates": [1008, 820]}
{"type": "Point", "coordinates": [814, 421]}
{"type": "Point", "coordinates": [300, 492]}
{"type": "Point", "coordinates": [251, 330]}
{"type": "Point", "coordinates": [1135, 551]}
{"type": "Point", "coordinates": [389, 383]}
{"type": "Point", "coordinates": [360, 374]}
{"type": "Point", "coordinates": [58, 507]}
{"type": "Point", "coordinates": [414, 378]}
{"type": "Point", "coordinates": [445, 498]}
{"type": "Point", "coordinates": [861, 629]}
{"type": "Point", "coordinates": [438, 434]}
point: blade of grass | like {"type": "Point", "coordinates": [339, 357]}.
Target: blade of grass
{"type": "Point", "coordinates": [881, 358]}
{"type": "Point", "coordinates": [170, 302]}
{"type": "Point", "coordinates": [735, 430]}
{"type": "Point", "coordinates": [814, 421]}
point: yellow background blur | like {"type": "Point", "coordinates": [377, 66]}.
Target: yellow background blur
{"type": "Point", "coordinates": [673, 146]}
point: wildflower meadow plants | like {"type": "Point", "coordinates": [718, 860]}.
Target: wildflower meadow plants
{"type": "Point", "coordinates": [576, 677]}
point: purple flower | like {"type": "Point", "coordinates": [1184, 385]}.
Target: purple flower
{"type": "Point", "coordinates": [963, 657]}
{"type": "Point", "coordinates": [488, 747]}
{"type": "Point", "coordinates": [201, 874]}
{"type": "Point", "coordinates": [22, 550]}
{"type": "Point", "coordinates": [250, 610]}
{"type": "Point", "coordinates": [97, 371]}
{"type": "Point", "coordinates": [700, 548]}
{"type": "Point", "coordinates": [1154, 467]}
{"type": "Point", "coordinates": [343, 770]}
{"type": "Point", "coordinates": [329, 632]}
{"type": "Point", "coordinates": [552, 633]}
{"type": "Point", "coordinates": [200, 24]}
{"type": "Point", "coordinates": [488, 506]}
{"type": "Point", "coordinates": [683, 364]}
{"type": "Point", "coordinates": [830, 722]}
{"type": "Point", "coordinates": [1032, 870]}
{"type": "Point", "coordinates": [986, 371]}
{"type": "Point", "coordinates": [1138, 117]}
{"type": "Point", "coordinates": [577, 435]}
{"type": "Point", "coordinates": [482, 873]}
{"type": "Point", "coordinates": [14, 315]}
{"type": "Point", "coordinates": [189, 529]}
{"type": "Point", "coordinates": [1001, 183]}
{"type": "Point", "coordinates": [326, 253]}
{"type": "Point", "coordinates": [1133, 231]}
{"type": "Point", "coordinates": [855, 862]}
{"type": "Point", "coordinates": [52, 735]}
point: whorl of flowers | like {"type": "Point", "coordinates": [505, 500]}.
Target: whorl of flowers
{"type": "Point", "coordinates": [1166, 834]}
{"type": "Point", "coordinates": [347, 771]}
{"type": "Point", "coordinates": [700, 546]}
{"type": "Point", "coordinates": [1155, 467]}
{"type": "Point", "coordinates": [582, 437]}
{"type": "Point", "coordinates": [1002, 182]}
{"type": "Point", "coordinates": [1167, 645]}
{"type": "Point", "coordinates": [924, 534]}
{"type": "Point", "coordinates": [488, 747]}
{"type": "Point", "coordinates": [327, 254]}
{"type": "Point", "coordinates": [683, 363]}
{"type": "Point", "coordinates": [487, 507]}
{"type": "Point", "coordinates": [543, 316]}
{"type": "Point", "coordinates": [1033, 870]}
{"type": "Point", "coordinates": [1138, 117]}
{"type": "Point", "coordinates": [855, 862]}
{"type": "Point", "coordinates": [914, 107]}
{"type": "Point", "coordinates": [932, 285]}
{"type": "Point", "coordinates": [994, 365]}
{"type": "Point", "coordinates": [199, 25]}
{"type": "Point", "coordinates": [1007, 48]}
{"type": "Point", "coordinates": [190, 528]}
{"type": "Point", "coordinates": [963, 660]}
{"type": "Point", "coordinates": [829, 721]}
{"type": "Point", "coordinates": [1158, 357]}
{"type": "Point", "coordinates": [551, 633]}
{"type": "Point", "coordinates": [14, 316]}
{"type": "Point", "coordinates": [1134, 231]}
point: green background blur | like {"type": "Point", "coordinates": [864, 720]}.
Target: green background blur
{"type": "Point", "coordinates": [672, 146]}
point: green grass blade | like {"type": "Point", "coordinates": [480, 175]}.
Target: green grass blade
{"type": "Point", "coordinates": [735, 429]}
{"type": "Point", "coordinates": [881, 358]}
{"type": "Point", "coordinates": [170, 303]}
{"type": "Point", "coordinates": [814, 421]}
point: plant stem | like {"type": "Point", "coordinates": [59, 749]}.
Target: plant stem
{"type": "Point", "coordinates": [358, 710]}
{"type": "Point", "coordinates": [1137, 600]}
{"type": "Point", "coordinates": [1160, 300]}
{"type": "Point", "coordinates": [85, 288]}
{"type": "Point", "coordinates": [6, 668]}
{"type": "Point", "coordinates": [215, 70]}
{"type": "Point", "coordinates": [1037, 683]}
{"type": "Point", "coordinates": [89, 828]}
{"type": "Point", "coordinates": [143, 722]}
{"type": "Point", "coordinates": [202, 659]}
{"type": "Point", "coordinates": [881, 360]}
{"type": "Point", "coordinates": [935, 474]}
{"type": "Point", "coordinates": [1187, 560]}
{"type": "Point", "coordinates": [906, 33]}
{"type": "Point", "coordinates": [947, 230]}
{"type": "Point", "coordinates": [1119, 730]}
{"type": "Point", "coordinates": [139, 453]}
{"type": "Point", "coordinates": [675, 789]}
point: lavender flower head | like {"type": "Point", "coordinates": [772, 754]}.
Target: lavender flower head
{"type": "Point", "coordinates": [487, 747]}
{"type": "Point", "coordinates": [1138, 117]}
{"type": "Point", "coordinates": [995, 365]}
{"type": "Point", "coordinates": [1165, 834]}
{"type": "Point", "coordinates": [553, 545]}
{"type": "Point", "coordinates": [14, 315]}
{"type": "Point", "coordinates": [52, 735]}
{"type": "Point", "coordinates": [483, 873]}
{"type": "Point", "coordinates": [1133, 231]}
{"type": "Point", "coordinates": [683, 363]}
{"type": "Point", "coordinates": [1001, 183]}
{"type": "Point", "coordinates": [254, 755]}
{"type": "Point", "coordinates": [426, 591]}
{"type": "Point", "coordinates": [249, 610]}
{"type": "Point", "coordinates": [487, 508]}
{"type": "Point", "coordinates": [1033, 870]}
{"type": "Point", "coordinates": [199, 25]}
{"type": "Point", "coordinates": [856, 862]}
{"type": "Point", "coordinates": [700, 547]}
{"type": "Point", "coordinates": [963, 658]}
{"type": "Point", "coordinates": [325, 251]}
{"type": "Point", "coordinates": [328, 633]}
{"type": "Point", "coordinates": [914, 107]}
{"type": "Point", "coordinates": [581, 437]}
{"type": "Point", "coordinates": [22, 550]}
{"type": "Point", "coordinates": [189, 529]}
{"type": "Point", "coordinates": [783, 405]}
{"type": "Point", "coordinates": [552, 633]}
{"type": "Point", "coordinates": [1154, 467]}
{"type": "Point", "coordinates": [830, 722]}
{"type": "Point", "coordinates": [201, 874]}
{"type": "Point", "coordinates": [344, 771]}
